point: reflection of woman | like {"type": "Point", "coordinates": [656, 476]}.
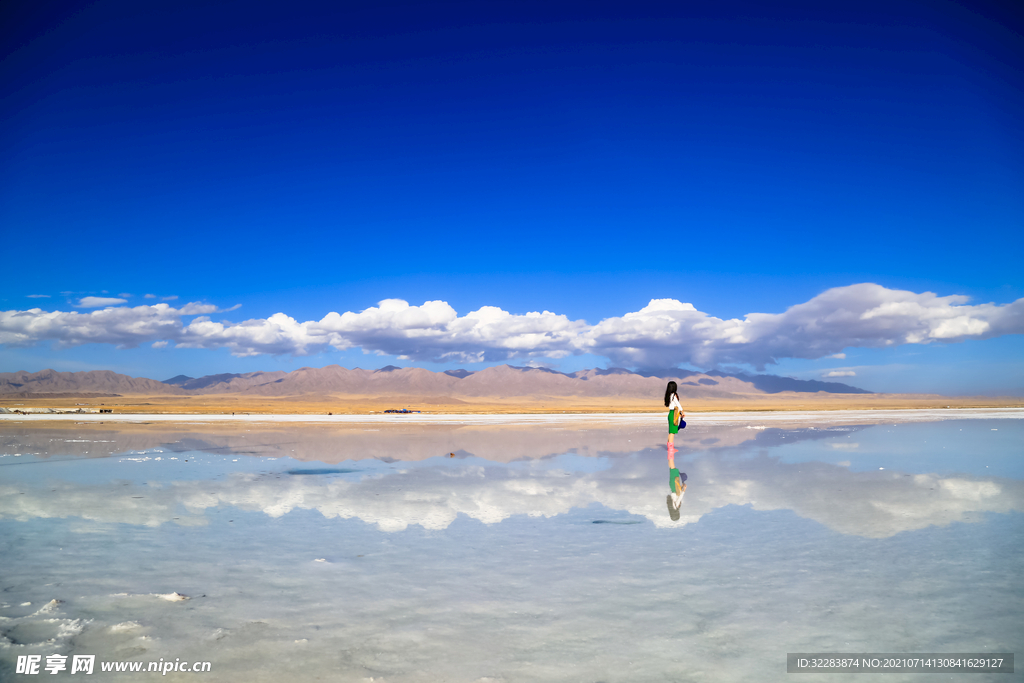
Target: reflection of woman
{"type": "Point", "coordinates": [677, 486]}
{"type": "Point", "coordinates": [675, 415]}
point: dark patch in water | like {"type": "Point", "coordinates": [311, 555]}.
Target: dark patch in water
{"type": "Point", "coordinates": [32, 633]}
{"type": "Point", "coordinates": [611, 521]}
{"type": "Point", "coordinates": [322, 471]}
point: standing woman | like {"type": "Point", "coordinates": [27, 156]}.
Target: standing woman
{"type": "Point", "coordinates": [675, 414]}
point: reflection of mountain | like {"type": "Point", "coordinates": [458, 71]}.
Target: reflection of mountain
{"type": "Point", "coordinates": [400, 442]}
{"type": "Point", "coordinates": [870, 504]}
{"type": "Point", "coordinates": [502, 381]}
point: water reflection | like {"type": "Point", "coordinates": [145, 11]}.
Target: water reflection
{"type": "Point", "coordinates": [676, 486]}
{"type": "Point", "coordinates": [733, 466]}
{"type": "Point", "coordinates": [332, 444]}
{"type": "Point", "coordinates": [525, 550]}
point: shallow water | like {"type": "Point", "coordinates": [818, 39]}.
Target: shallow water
{"type": "Point", "coordinates": [517, 553]}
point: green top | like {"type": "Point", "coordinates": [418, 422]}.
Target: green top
{"type": "Point", "coordinates": [673, 474]}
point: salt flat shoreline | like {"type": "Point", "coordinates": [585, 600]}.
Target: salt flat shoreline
{"type": "Point", "coordinates": [576, 419]}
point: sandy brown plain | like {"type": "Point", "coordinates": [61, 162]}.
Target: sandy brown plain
{"type": "Point", "coordinates": [226, 404]}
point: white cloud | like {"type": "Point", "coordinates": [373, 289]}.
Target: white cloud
{"type": "Point", "coordinates": [664, 333]}
{"type": "Point", "coordinates": [122, 326]}
{"type": "Point", "coordinates": [173, 297]}
{"type": "Point", "coordinates": [98, 301]}
{"type": "Point", "coordinates": [667, 332]}
{"type": "Point", "coordinates": [840, 356]}
{"type": "Point", "coordinates": [149, 296]}
{"type": "Point", "coordinates": [435, 331]}
{"type": "Point", "coordinates": [196, 308]}
{"type": "Point", "coordinates": [840, 373]}
{"type": "Point", "coordinates": [125, 296]}
{"type": "Point", "coordinates": [38, 296]}
{"type": "Point", "coordinates": [278, 334]}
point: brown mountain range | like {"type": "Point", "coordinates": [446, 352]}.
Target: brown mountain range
{"type": "Point", "coordinates": [499, 382]}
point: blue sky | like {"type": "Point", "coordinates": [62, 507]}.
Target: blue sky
{"type": "Point", "coordinates": [581, 159]}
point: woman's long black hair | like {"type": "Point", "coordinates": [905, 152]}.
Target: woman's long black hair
{"type": "Point", "coordinates": [672, 389]}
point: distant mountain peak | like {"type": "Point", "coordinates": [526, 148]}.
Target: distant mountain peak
{"type": "Point", "coordinates": [388, 368]}
{"type": "Point", "coordinates": [459, 374]}
{"type": "Point", "coordinates": [190, 383]}
{"type": "Point", "coordinates": [676, 373]}
{"type": "Point", "coordinates": [527, 368]}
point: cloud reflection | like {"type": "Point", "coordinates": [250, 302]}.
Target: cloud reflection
{"type": "Point", "coordinates": [875, 504]}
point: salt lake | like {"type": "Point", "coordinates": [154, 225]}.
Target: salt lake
{"type": "Point", "coordinates": [510, 549]}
